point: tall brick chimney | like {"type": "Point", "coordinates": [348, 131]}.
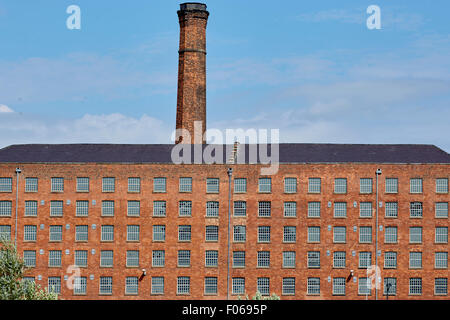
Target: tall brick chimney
{"type": "Point", "coordinates": [191, 96]}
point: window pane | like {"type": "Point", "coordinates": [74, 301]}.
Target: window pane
{"type": "Point", "coordinates": [290, 185]}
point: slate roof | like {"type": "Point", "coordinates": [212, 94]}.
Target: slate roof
{"type": "Point", "coordinates": [161, 153]}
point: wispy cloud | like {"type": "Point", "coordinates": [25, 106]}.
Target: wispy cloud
{"type": "Point", "coordinates": [5, 109]}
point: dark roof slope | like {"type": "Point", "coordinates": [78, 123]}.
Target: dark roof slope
{"type": "Point", "coordinates": [161, 153]}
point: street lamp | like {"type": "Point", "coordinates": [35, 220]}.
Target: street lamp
{"type": "Point", "coordinates": [230, 173]}
{"type": "Point", "coordinates": [18, 171]}
{"type": "Point", "coordinates": [378, 172]}
{"type": "Point", "coordinates": [388, 286]}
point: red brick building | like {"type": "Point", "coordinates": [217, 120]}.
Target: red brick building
{"type": "Point", "coordinates": [128, 223]}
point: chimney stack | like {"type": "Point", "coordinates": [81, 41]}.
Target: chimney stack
{"type": "Point", "coordinates": [191, 96]}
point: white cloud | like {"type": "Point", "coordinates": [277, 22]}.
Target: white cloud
{"type": "Point", "coordinates": [5, 109]}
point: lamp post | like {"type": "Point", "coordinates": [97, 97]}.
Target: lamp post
{"type": "Point", "coordinates": [378, 172]}
{"type": "Point", "coordinates": [18, 171]}
{"type": "Point", "coordinates": [230, 173]}
{"type": "Point", "coordinates": [388, 286]}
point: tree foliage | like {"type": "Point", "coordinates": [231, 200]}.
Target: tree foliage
{"type": "Point", "coordinates": [259, 296]}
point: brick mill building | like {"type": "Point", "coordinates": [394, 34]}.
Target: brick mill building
{"type": "Point", "coordinates": [138, 226]}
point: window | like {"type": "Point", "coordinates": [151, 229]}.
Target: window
{"type": "Point", "coordinates": [183, 285]}
{"type": "Point", "coordinates": [185, 208]}
{"type": "Point", "coordinates": [31, 184]}
{"type": "Point", "coordinates": [391, 185]}
{"type": "Point", "coordinates": [440, 286]}
{"type": "Point", "coordinates": [159, 185]}
{"type": "Point", "coordinates": [391, 209]}
{"type": "Point", "coordinates": [313, 258]}
{"type": "Point", "coordinates": [54, 258]}
{"type": "Point", "coordinates": [415, 185]}
{"type": "Point", "coordinates": [339, 234]}
{"type": "Point", "coordinates": [211, 285]}
{"type": "Point", "coordinates": [289, 234]}
{"type": "Point", "coordinates": [184, 233]}
{"type": "Point", "coordinates": [265, 185]}
{"type": "Point", "coordinates": [158, 258]}
{"type": "Point", "coordinates": [131, 285]}
{"type": "Point", "coordinates": [340, 185]}
{"type": "Point", "coordinates": [240, 208]}
{"type": "Point", "coordinates": [390, 260]}
{"type": "Point", "coordinates": [132, 258]}
{"type": "Point", "coordinates": [415, 286]}
{"type": "Point", "coordinates": [107, 233]}
{"type": "Point", "coordinates": [441, 260]}
{"type": "Point", "coordinates": [56, 208]}
{"type": "Point", "coordinates": [263, 233]}
{"type": "Point", "coordinates": [416, 209]}
{"type": "Point", "coordinates": [390, 235]}
{"type": "Point", "coordinates": [5, 208]}
{"type": "Point", "coordinates": [82, 208]}
{"type": "Point", "coordinates": [108, 184]}
{"type": "Point", "coordinates": [238, 286]}
{"type": "Point", "coordinates": [134, 208]}
{"type": "Point", "coordinates": [81, 233]}
{"type": "Point", "coordinates": [290, 185]}
{"type": "Point", "coordinates": [185, 184]}
{"type": "Point", "coordinates": [212, 185]}
{"type": "Point", "coordinates": [314, 185]}
{"type": "Point", "coordinates": [288, 287]}
{"type": "Point", "coordinates": [108, 208]}
{"type": "Point", "coordinates": [415, 260]}
{"type": "Point", "coordinates": [441, 234]}
{"type": "Point", "coordinates": [133, 232]}
{"type": "Point", "coordinates": [106, 258]}
{"type": "Point", "coordinates": [239, 233]}
{"type": "Point", "coordinates": [340, 209]}
{"type": "Point", "coordinates": [365, 259]}
{"type": "Point", "coordinates": [5, 184]}
{"type": "Point", "coordinates": [159, 233]}
{"type": "Point", "coordinates": [157, 285]}
{"type": "Point", "coordinates": [441, 209]}
{"type": "Point", "coordinates": [159, 208]}
{"type": "Point", "coordinates": [313, 234]}
{"type": "Point", "coordinates": [105, 285]}
{"type": "Point", "coordinates": [290, 209]}
{"type": "Point", "coordinates": [212, 233]}
{"type": "Point", "coordinates": [442, 185]}
{"type": "Point", "coordinates": [55, 233]}
{"type": "Point", "coordinates": [264, 209]}
{"type": "Point", "coordinates": [31, 208]}
{"type": "Point", "coordinates": [390, 286]}
{"type": "Point", "coordinates": [365, 234]}
{"type": "Point", "coordinates": [314, 209]}
{"type": "Point", "coordinates": [29, 233]}
{"type": "Point", "coordinates": [82, 184]}
{"type": "Point", "coordinates": [288, 259]}
{"type": "Point", "coordinates": [212, 209]}
{"type": "Point", "coordinates": [134, 184]}
{"type": "Point", "coordinates": [365, 209]}
{"type": "Point", "coordinates": [57, 184]}
{"type": "Point", "coordinates": [339, 286]}
{"type": "Point", "coordinates": [263, 286]}
{"type": "Point", "coordinates": [339, 259]}
{"type": "Point", "coordinates": [415, 235]}
{"type": "Point", "coordinates": [313, 286]}
{"type": "Point", "coordinates": [364, 286]}
{"type": "Point", "coordinates": [54, 284]}
{"type": "Point", "coordinates": [263, 259]}
{"type": "Point", "coordinates": [5, 232]}
{"type": "Point", "coordinates": [238, 259]}
{"type": "Point", "coordinates": [81, 257]}
{"type": "Point", "coordinates": [80, 284]}
{"type": "Point", "coordinates": [365, 185]}
{"type": "Point", "coordinates": [29, 258]}
{"type": "Point", "coordinates": [211, 258]}
{"type": "Point", "coordinates": [240, 185]}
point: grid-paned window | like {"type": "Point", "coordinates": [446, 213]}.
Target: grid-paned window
{"type": "Point", "coordinates": [441, 286]}
{"type": "Point", "coordinates": [133, 208]}
{"type": "Point", "coordinates": [390, 234]}
{"type": "Point", "coordinates": [185, 184]}
{"type": "Point", "coordinates": [442, 185]}
{"type": "Point", "coordinates": [108, 184]}
{"type": "Point", "coordinates": [415, 235]}
{"type": "Point", "coordinates": [5, 232]}
{"type": "Point", "coordinates": [364, 286]}
{"type": "Point", "coordinates": [314, 185]}
{"type": "Point", "coordinates": [81, 258]}
{"type": "Point", "coordinates": [159, 208]}
{"type": "Point", "coordinates": [415, 286]}
{"type": "Point", "coordinates": [288, 259]}
{"type": "Point", "coordinates": [240, 185]}
{"type": "Point", "coordinates": [106, 258]}
{"type": "Point", "coordinates": [391, 284]}
{"type": "Point", "coordinates": [211, 285]}
{"type": "Point", "coordinates": [132, 258]}
{"type": "Point", "coordinates": [290, 185]}
{"type": "Point", "coordinates": [105, 285]}
{"type": "Point", "coordinates": [79, 285]}
{"type": "Point", "coordinates": [239, 233]}
{"type": "Point", "coordinates": [54, 258]}
{"type": "Point", "coordinates": [313, 286]}
{"type": "Point", "coordinates": [264, 208]}
{"type": "Point", "coordinates": [391, 185]}
{"type": "Point", "coordinates": [314, 209]}
{"type": "Point", "coordinates": [5, 208]}
{"type": "Point", "coordinates": [415, 260]}
{"type": "Point", "coordinates": [441, 260]}
{"type": "Point", "coordinates": [54, 284]}
{"type": "Point", "coordinates": [212, 233]}
{"type": "Point", "coordinates": [108, 208]}
{"type": "Point", "coordinates": [391, 209]}
{"type": "Point", "coordinates": [289, 234]}
{"type": "Point", "coordinates": [240, 208]}
{"type": "Point", "coordinates": [365, 234]}
{"type": "Point", "coordinates": [83, 184]}
{"type": "Point", "coordinates": [416, 209]}
{"type": "Point", "coordinates": [265, 185]}
{"type": "Point", "coordinates": [365, 259]}
{"type": "Point", "coordinates": [185, 208]}
{"type": "Point", "coordinates": [82, 208]}
{"type": "Point", "coordinates": [415, 185]}
{"type": "Point", "coordinates": [263, 286]}
{"type": "Point", "coordinates": [339, 259]}
{"type": "Point", "coordinates": [107, 233]}
{"type": "Point", "coordinates": [183, 285]}
{"type": "Point", "coordinates": [212, 185]}
{"type": "Point", "coordinates": [56, 208]}
{"type": "Point", "coordinates": [340, 209]}
{"type": "Point", "coordinates": [365, 185]}
{"type": "Point", "coordinates": [288, 287]}
{"type": "Point", "coordinates": [339, 234]}
{"type": "Point", "coordinates": [238, 286]}
{"type": "Point", "coordinates": [134, 184]}
{"type": "Point", "coordinates": [238, 259]}
{"type": "Point", "coordinates": [55, 233]}
{"type": "Point", "coordinates": [263, 259]}
{"type": "Point", "coordinates": [365, 209]}
{"type": "Point", "coordinates": [31, 208]}
{"type": "Point", "coordinates": [290, 209]}
{"type": "Point", "coordinates": [340, 185]}
{"type": "Point", "coordinates": [212, 209]}
{"type": "Point", "coordinates": [313, 259]}
{"type": "Point", "coordinates": [158, 258]}
{"type": "Point", "coordinates": [133, 232]}
{"type": "Point", "coordinates": [81, 233]}
{"type": "Point", "coordinates": [31, 184]}
{"type": "Point", "coordinates": [441, 235]}
{"type": "Point", "coordinates": [159, 233]}
{"type": "Point", "coordinates": [57, 184]}
{"type": "Point", "coordinates": [184, 233]}
{"type": "Point", "coordinates": [159, 184]}
{"type": "Point", "coordinates": [339, 286]}
{"type": "Point", "coordinates": [211, 258]}
{"type": "Point", "coordinates": [131, 285]}
{"type": "Point", "coordinates": [157, 285]}
{"type": "Point", "coordinates": [263, 233]}
{"type": "Point", "coordinates": [5, 184]}
{"type": "Point", "coordinates": [441, 209]}
{"type": "Point", "coordinates": [29, 233]}
{"type": "Point", "coordinates": [314, 234]}
{"type": "Point", "coordinates": [390, 259]}
{"type": "Point", "coordinates": [29, 258]}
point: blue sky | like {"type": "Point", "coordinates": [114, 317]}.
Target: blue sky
{"type": "Point", "coordinates": [311, 69]}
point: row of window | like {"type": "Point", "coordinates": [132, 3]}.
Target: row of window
{"type": "Point", "coordinates": [239, 233]}
{"type": "Point", "coordinates": [183, 285]}
{"type": "Point", "coordinates": [263, 258]}
{"type": "Point", "coordinates": [340, 209]}
{"type": "Point", "coordinates": [240, 185]}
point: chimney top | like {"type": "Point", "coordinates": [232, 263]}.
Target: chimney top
{"type": "Point", "coordinates": [191, 6]}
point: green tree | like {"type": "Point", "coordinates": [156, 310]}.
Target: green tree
{"type": "Point", "coordinates": [12, 285]}
{"type": "Point", "coordinates": [259, 296]}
